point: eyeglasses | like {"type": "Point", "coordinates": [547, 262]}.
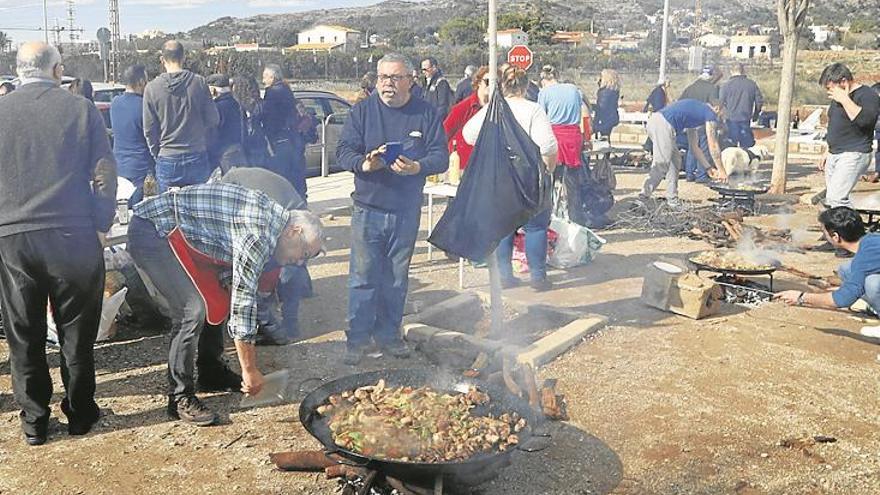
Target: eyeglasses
{"type": "Point", "coordinates": [394, 78]}
{"type": "Point", "coordinates": [306, 254]}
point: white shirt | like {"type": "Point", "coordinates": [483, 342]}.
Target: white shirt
{"type": "Point", "coordinates": [530, 117]}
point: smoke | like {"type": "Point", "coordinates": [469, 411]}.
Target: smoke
{"type": "Point", "coordinates": [798, 229]}
{"type": "Point", "coordinates": [749, 250]}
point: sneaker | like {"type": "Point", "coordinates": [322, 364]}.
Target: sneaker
{"type": "Point", "coordinates": [542, 285]}
{"type": "Point", "coordinates": [397, 349]}
{"type": "Point", "coordinates": [223, 380]}
{"type": "Point", "coordinates": [873, 332]}
{"type": "Point", "coordinates": [353, 356]}
{"type": "Point", "coordinates": [190, 409]}
{"type": "Point", "coordinates": [78, 426]}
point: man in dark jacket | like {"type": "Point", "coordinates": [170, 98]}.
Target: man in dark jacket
{"type": "Point", "coordinates": [225, 141]}
{"type": "Point", "coordinates": [133, 158]}
{"type": "Point", "coordinates": [280, 120]}
{"type": "Point", "coordinates": [875, 175]}
{"type": "Point", "coordinates": [465, 86]}
{"type": "Point", "coordinates": [57, 189]}
{"type": "Point", "coordinates": [437, 91]}
{"type": "Point", "coordinates": [391, 142]}
{"type": "Point", "coordinates": [178, 114]}
{"type": "Point", "coordinates": [704, 89]}
{"type": "Point", "coordinates": [742, 101]}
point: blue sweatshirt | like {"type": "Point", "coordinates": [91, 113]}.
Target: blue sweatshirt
{"type": "Point", "coordinates": [133, 158]}
{"type": "Point", "coordinates": [371, 124]}
{"type": "Point", "coordinates": [865, 262]}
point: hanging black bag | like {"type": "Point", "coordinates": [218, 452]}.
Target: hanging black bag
{"type": "Point", "coordinates": [505, 184]}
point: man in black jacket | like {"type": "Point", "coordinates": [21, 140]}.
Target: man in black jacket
{"type": "Point", "coordinates": [437, 91]}
{"type": "Point", "coordinates": [57, 189]}
{"type": "Point", "coordinates": [225, 141]}
{"type": "Point", "coordinates": [280, 120]}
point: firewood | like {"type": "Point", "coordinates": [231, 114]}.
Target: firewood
{"type": "Point", "coordinates": [302, 460]}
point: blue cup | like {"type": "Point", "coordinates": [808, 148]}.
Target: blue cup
{"type": "Point", "coordinates": [392, 151]}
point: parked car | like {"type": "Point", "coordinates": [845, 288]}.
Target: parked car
{"type": "Point", "coordinates": [332, 111]}
{"type": "Point", "coordinates": [103, 94]}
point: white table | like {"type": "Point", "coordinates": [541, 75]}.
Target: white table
{"type": "Point", "coordinates": [446, 191]}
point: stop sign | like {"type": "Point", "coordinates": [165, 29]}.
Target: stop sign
{"type": "Point", "coordinates": [520, 56]}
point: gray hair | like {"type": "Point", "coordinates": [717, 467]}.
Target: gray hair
{"type": "Point", "coordinates": [311, 225]}
{"type": "Point", "coordinates": [469, 70]}
{"type": "Point", "coordinates": [738, 69]}
{"type": "Point", "coordinates": [275, 70]}
{"type": "Point", "coordinates": [36, 59]}
{"type": "Point", "coordinates": [396, 58]}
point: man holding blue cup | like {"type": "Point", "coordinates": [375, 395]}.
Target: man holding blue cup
{"type": "Point", "coordinates": [391, 142]}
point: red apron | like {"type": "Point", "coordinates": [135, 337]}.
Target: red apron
{"type": "Point", "coordinates": [204, 271]}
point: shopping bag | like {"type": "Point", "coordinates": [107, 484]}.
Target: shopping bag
{"type": "Point", "coordinates": [504, 186]}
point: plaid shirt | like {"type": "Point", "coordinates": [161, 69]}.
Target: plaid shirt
{"type": "Point", "coordinates": [229, 223]}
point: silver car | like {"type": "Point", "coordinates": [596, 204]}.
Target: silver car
{"type": "Point", "coordinates": [332, 111]}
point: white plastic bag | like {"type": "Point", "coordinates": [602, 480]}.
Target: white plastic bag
{"type": "Point", "coordinates": [575, 244]}
{"type": "Point", "coordinates": [109, 310]}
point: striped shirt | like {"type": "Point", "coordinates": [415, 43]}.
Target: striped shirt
{"type": "Point", "coordinates": [228, 223]}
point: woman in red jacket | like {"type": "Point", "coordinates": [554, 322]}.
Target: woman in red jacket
{"type": "Point", "coordinates": [463, 111]}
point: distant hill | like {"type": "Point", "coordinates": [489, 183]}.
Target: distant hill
{"type": "Point", "coordinates": [423, 16]}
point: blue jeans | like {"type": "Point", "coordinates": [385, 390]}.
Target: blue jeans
{"type": "Point", "coordinates": [692, 167]}
{"type": "Point", "coordinates": [382, 246]}
{"type": "Point", "coordinates": [877, 153]}
{"type": "Point", "coordinates": [536, 249]}
{"type": "Point", "coordinates": [294, 285]}
{"type": "Point", "coordinates": [872, 285]}
{"type": "Point", "coordinates": [190, 334]}
{"type": "Point", "coordinates": [740, 132]}
{"type": "Point", "coordinates": [181, 170]}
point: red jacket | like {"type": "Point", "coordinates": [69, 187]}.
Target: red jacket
{"type": "Point", "coordinates": [454, 123]}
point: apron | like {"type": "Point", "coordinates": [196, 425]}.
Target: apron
{"type": "Point", "coordinates": [204, 272]}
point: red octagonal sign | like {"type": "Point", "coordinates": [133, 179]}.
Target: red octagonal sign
{"type": "Point", "coordinates": [520, 56]}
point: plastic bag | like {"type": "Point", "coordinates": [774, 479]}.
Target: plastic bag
{"type": "Point", "coordinates": [106, 329]}
{"type": "Point", "coordinates": [574, 244]}
{"type": "Point", "coordinates": [504, 186]}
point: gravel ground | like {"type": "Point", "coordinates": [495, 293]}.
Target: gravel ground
{"type": "Point", "coordinates": [659, 404]}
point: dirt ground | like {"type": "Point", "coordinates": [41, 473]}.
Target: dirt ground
{"type": "Point", "coordinates": [659, 404]}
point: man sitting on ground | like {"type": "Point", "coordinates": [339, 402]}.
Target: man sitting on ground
{"type": "Point", "coordinates": [844, 229]}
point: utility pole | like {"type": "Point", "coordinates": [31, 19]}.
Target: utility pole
{"type": "Point", "coordinates": [114, 40]}
{"type": "Point", "coordinates": [663, 41]}
{"type": "Point", "coordinates": [71, 20]}
{"type": "Point", "coordinates": [46, 20]}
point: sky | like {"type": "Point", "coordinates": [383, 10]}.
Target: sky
{"type": "Point", "coordinates": [137, 16]}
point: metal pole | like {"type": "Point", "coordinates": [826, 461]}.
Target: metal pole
{"type": "Point", "coordinates": [325, 165]}
{"type": "Point", "coordinates": [46, 20]}
{"type": "Point", "coordinates": [493, 47]}
{"type": "Point", "coordinates": [496, 304]}
{"type": "Point", "coordinates": [665, 32]}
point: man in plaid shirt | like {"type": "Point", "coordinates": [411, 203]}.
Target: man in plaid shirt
{"type": "Point", "coordinates": [239, 231]}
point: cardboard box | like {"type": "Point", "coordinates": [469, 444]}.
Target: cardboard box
{"type": "Point", "coordinates": [672, 287]}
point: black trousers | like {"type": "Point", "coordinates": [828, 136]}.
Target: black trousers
{"type": "Point", "coordinates": [189, 331]}
{"type": "Point", "coordinates": [66, 267]}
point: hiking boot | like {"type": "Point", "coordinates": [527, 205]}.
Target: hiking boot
{"type": "Point", "coordinates": [190, 409]}
{"type": "Point", "coordinates": [510, 283]}
{"type": "Point", "coordinates": [222, 380]}
{"type": "Point", "coordinates": [78, 426]}
{"type": "Point", "coordinates": [397, 349]}
{"type": "Point", "coordinates": [353, 356]}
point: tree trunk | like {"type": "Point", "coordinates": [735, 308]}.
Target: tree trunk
{"type": "Point", "coordinates": [783, 121]}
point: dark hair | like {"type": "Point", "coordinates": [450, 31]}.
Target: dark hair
{"type": "Point", "coordinates": [8, 85]}
{"type": "Point", "coordinates": [835, 73]}
{"type": "Point", "coordinates": [844, 221]}
{"type": "Point", "coordinates": [172, 51]}
{"type": "Point", "coordinates": [134, 75]}
{"type": "Point", "coordinates": [514, 81]}
{"type": "Point", "coordinates": [246, 92]}
{"type": "Point", "coordinates": [368, 81]}
{"type": "Point", "coordinates": [432, 60]}
{"type": "Point", "coordinates": [82, 87]}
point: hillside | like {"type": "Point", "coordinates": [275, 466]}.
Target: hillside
{"type": "Point", "coordinates": [426, 16]}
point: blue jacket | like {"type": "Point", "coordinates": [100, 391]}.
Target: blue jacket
{"type": "Point", "coordinates": [742, 99]}
{"type": "Point", "coordinates": [229, 131]}
{"type": "Point", "coordinates": [372, 123]}
{"type": "Point", "coordinates": [607, 115]}
{"type": "Point", "coordinates": [279, 111]}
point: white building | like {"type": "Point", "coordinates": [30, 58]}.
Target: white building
{"type": "Point", "coordinates": [511, 37]}
{"type": "Point", "coordinates": [335, 36]}
{"type": "Point", "coordinates": [712, 40]}
{"type": "Point", "coordinates": [751, 47]}
{"type": "Point", "coordinates": [821, 34]}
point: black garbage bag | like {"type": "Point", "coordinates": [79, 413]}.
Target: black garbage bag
{"type": "Point", "coordinates": [504, 186]}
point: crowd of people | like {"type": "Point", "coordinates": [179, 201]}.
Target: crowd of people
{"type": "Point", "coordinates": [223, 253]}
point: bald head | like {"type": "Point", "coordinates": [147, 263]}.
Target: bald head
{"type": "Point", "coordinates": [38, 59]}
{"type": "Point", "coordinates": [172, 53]}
